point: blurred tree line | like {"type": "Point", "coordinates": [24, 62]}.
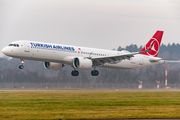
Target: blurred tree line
{"type": "Point", "coordinates": [34, 71]}
{"type": "Point", "coordinates": [165, 50]}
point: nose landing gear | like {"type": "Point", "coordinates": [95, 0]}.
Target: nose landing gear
{"type": "Point", "coordinates": [21, 66]}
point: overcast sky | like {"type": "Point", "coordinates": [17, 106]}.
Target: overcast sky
{"type": "Point", "coordinates": [103, 24]}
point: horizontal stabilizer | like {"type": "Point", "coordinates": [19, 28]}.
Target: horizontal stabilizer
{"type": "Point", "coordinates": [172, 61]}
{"type": "Point", "coordinates": [159, 59]}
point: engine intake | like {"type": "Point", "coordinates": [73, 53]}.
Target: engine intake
{"type": "Point", "coordinates": [82, 63]}
{"type": "Point", "coordinates": [53, 65]}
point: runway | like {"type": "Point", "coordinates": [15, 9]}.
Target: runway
{"type": "Point", "coordinates": [141, 119]}
{"type": "Point", "coordinates": [123, 90]}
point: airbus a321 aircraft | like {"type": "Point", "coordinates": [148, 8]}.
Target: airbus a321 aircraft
{"type": "Point", "coordinates": [55, 56]}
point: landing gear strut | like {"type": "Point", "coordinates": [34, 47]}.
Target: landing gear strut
{"type": "Point", "coordinates": [94, 73]}
{"type": "Point", "coordinates": [21, 66]}
{"type": "Point", "coordinates": [74, 73]}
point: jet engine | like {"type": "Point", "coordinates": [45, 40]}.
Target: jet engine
{"type": "Point", "coordinates": [82, 63]}
{"type": "Point", "coordinates": [53, 65]}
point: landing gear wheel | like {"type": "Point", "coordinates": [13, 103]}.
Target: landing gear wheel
{"type": "Point", "coordinates": [74, 73]}
{"type": "Point", "coordinates": [94, 73]}
{"type": "Point", "coordinates": [21, 67]}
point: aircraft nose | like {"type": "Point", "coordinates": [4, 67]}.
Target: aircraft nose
{"type": "Point", "coordinates": [4, 50]}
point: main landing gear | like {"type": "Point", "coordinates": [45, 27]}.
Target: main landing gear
{"type": "Point", "coordinates": [75, 73]}
{"type": "Point", "coordinates": [21, 66]}
{"type": "Point", "coordinates": [94, 73]}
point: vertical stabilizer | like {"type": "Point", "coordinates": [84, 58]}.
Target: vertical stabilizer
{"type": "Point", "coordinates": [155, 43]}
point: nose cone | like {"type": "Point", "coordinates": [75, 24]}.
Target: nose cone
{"type": "Point", "coordinates": [5, 50]}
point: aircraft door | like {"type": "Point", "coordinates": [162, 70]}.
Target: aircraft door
{"type": "Point", "coordinates": [27, 47]}
{"type": "Point", "coordinates": [141, 60]}
{"type": "Point", "coordinates": [80, 52]}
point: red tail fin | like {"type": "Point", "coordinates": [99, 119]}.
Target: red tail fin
{"type": "Point", "coordinates": [153, 44]}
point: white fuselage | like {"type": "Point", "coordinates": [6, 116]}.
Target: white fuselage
{"type": "Point", "coordinates": [49, 52]}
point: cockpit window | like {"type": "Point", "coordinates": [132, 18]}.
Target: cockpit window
{"type": "Point", "coordinates": [15, 45]}
{"type": "Point", "coordinates": [10, 44]}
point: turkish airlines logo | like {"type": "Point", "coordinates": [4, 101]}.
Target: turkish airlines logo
{"type": "Point", "coordinates": [155, 47]}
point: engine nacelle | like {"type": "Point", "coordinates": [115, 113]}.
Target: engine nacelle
{"type": "Point", "coordinates": [82, 63]}
{"type": "Point", "coordinates": [53, 65]}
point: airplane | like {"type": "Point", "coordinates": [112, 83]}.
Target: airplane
{"type": "Point", "coordinates": [55, 56]}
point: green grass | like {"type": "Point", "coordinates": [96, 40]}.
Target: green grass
{"type": "Point", "coordinates": [89, 105]}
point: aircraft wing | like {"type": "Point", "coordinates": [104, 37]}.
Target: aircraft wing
{"type": "Point", "coordinates": [100, 61]}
